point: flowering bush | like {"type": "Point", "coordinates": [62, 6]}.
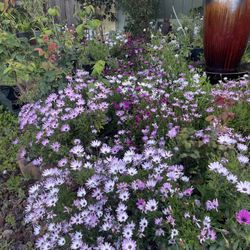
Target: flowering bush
{"type": "Point", "coordinates": [139, 161]}
{"type": "Point", "coordinates": [136, 162]}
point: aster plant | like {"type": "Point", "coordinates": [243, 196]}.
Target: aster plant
{"type": "Point", "coordinates": [136, 161]}
{"type": "Point", "coordinates": [120, 194]}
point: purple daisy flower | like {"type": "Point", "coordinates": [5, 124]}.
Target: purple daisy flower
{"type": "Point", "coordinates": [128, 244]}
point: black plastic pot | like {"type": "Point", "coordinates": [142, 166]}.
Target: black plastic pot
{"type": "Point", "coordinates": [87, 67]}
{"type": "Point", "coordinates": [9, 98]}
{"type": "Point", "coordinates": [195, 54]}
{"type": "Point", "coordinates": [30, 35]}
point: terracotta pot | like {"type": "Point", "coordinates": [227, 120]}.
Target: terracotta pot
{"type": "Point", "coordinates": [226, 33]}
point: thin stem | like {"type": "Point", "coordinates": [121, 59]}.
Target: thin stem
{"type": "Point", "coordinates": [178, 20]}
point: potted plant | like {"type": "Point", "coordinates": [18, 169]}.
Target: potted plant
{"type": "Point", "coordinates": [25, 30]}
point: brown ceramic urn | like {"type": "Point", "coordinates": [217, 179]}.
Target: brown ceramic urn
{"type": "Point", "coordinates": [226, 34]}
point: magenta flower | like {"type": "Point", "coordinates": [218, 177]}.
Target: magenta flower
{"type": "Point", "coordinates": [141, 204]}
{"type": "Point", "coordinates": [243, 217]}
{"type": "Point", "coordinates": [188, 191]}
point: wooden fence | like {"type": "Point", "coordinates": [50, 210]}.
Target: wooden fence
{"type": "Point", "coordinates": [166, 10]}
{"type": "Point", "coordinates": [67, 8]}
{"type": "Point", "coordinates": [180, 6]}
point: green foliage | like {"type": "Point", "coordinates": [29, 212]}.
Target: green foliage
{"type": "Point", "coordinates": [14, 185]}
{"type": "Point", "coordinates": [8, 133]}
{"type": "Point", "coordinates": [25, 68]}
{"type": "Point", "coordinates": [140, 14]}
{"type": "Point", "coordinates": [54, 12]}
{"type": "Point", "coordinates": [93, 52]}
{"type": "Point", "coordinates": [5, 244]}
{"type": "Point", "coordinates": [235, 234]}
{"type": "Point", "coordinates": [173, 62]}
{"type": "Point", "coordinates": [93, 24]}
{"type": "Point", "coordinates": [66, 197]}
{"type": "Point", "coordinates": [10, 219]}
{"type": "Point", "coordinates": [241, 122]}
{"type": "Point", "coordinates": [195, 156]}
{"type": "Point", "coordinates": [98, 68]}
{"type": "Point", "coordinates": [35, 75]}
{"type": "Point", "coordinates": [193, 26]}
{"type": "Point", "coordinates": [187, 31]}
{"type": "Point", "coordinates": [82, 176]}
{"type": "Point", "coordinates": [246, 56]}
{"type": "Point", "coordinates": [1, 6]}
{"type": "Point", "coordinates": [105, 8]}
{"type": "Point", "coordinates": [10, 46]}
{"type": "Point", "coordinates": [35, 8]}
{"type": "Point", "coordinates": [40, 68]}
{"type": "Point", "coordinates": [86, 22]}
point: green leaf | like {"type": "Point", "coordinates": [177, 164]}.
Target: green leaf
{"type": "Point", "coordinates": [235, 245]}
{"type": "Point", "coordinates": [98, 67]}
{"type": "Point", "coordinates": [7, 70]}
{"type": "Point", "coordinates": [46, 32]}
{"type": "Point", "coordinates": [53, 12]}
{"type": "Point", "coordinates": [80, 29]}
{"type": "Point", "coordinates": [93, 24]}
{"type": "Point", "coordinates": [89, 9]}
{"type": "Point", "coordinates": [1, 6]}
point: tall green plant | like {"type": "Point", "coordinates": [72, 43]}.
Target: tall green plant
{"type": "Point", "coordinates": [104, 8]}
{"type": "Point", "coordinates": [34, 7]}
{"type": "Point", "coordinates": [140, 14]}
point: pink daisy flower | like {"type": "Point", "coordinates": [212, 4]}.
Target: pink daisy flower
{"type": "Point", "coordinates": [243, 217]}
